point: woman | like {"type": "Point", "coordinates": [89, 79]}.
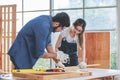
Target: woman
{"type": "Point", "coordinates": [70, 41]}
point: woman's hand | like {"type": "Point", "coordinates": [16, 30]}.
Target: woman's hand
{"type": "Point", "coordinates": [82, 65]}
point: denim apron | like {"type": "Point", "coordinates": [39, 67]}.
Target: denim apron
{"type": "Point", "coordinates": [71, 50]}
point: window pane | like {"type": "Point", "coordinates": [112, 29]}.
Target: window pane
{"type": "Point", "coordinates": [11, 2]}
{"type": "Point", "coordinates": [113, 38]}
{"type": "Point", "coordinates": [42, 63]}
{"type": "Point", "coordinates": [19, 22]}
{"type": "Point", "coordinates": [98, 3]}
{"type": "Point", "coordinates": [113, 49]}
{"type": "Point", "coordinates": [36, 5]}
{"type": "Point", "coordinates": [54, 38]}
{"type": "Point", "coordinates": [59, 4]}
{"type": "Point", "coordinates": [98, 19]}
{"type": "Point", "coordinates": [31, 15]}
{"type": "Point", "coordinates": [73, 14]}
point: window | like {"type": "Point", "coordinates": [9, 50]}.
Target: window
{"type": "Point", "coordinates": [99, 14]}
{"type": "Point", "coordinates": [67, 4]}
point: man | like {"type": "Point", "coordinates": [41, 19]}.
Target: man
{"type": "Point", "coordinates": [34, 38]}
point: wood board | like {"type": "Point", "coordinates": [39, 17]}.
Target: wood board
{"type": "Point", "coordinates": [97, 47]}
{"type": "Point", "coordinates": [51, 75]}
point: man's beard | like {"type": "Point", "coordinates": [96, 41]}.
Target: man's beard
{"type": "Point", "coordinates": [54, 29]}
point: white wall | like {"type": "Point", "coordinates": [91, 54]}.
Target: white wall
{"type": "Point", "coordinates": [118, 31]}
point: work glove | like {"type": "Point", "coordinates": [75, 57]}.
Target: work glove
{"type": "Point", "coordinates": [60, 65]}
{"type": "Point", "coordinates": [82, 65]}
{"type": "Point", "coordinates": [64, 58]}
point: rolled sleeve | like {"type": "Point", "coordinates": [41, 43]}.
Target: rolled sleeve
{"type": "Point", "coordinates": [49, 41]}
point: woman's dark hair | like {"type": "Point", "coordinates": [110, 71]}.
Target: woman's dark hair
{"type": "Point", "coordinates": [82, 23]}
{"type": "Point", "coordinates": [63, 18]}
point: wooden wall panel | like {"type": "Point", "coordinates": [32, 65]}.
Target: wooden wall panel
{"type": "Point", "coordinates": [98, 48]}
{"type": "Point", "coordinates": [7, 34]}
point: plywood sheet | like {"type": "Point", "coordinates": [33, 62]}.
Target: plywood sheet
{"type": "Point", "coordinates": [98, 48]}
{"type": "Point", "coordinates": [47, 76]}
{"type": "Point", "coordinates": [53, 75]}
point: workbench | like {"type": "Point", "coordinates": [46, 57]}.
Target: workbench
{"type": "Point", "coordinates": [96, 73]}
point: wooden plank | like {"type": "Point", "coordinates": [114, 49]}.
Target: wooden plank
{"type": "Point", "coordinates": [73, 68]}
{"type": "Point", "coordinates": [43, 73]}
{"type": "Point", "coordinates": [51, 75]}
{"type": "Point", "coordinates": [4, 49]}
{"type": "Point", "coordinates": [70, 72]}
{"type": "Point", "coordinates": [8, 40]}
{"type": "Point", "coordinates": [13, 23]}
{"type": "Point", "coordinates": [98, 48]}
{"type": "Point", "coordinates": [0, 37]}
{"type": "Point", "coordinates": [93, 65]}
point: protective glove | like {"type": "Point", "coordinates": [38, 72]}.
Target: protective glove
{"type": "Point", "coordinates": [64, 58]}
{"type": "Point", "coordinates": [60, 65]}
{"type": "Point", "coordinates": [82, 65]}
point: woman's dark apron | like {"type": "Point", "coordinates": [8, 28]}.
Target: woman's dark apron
{"type": "Point", "coordinates": [71, 50]}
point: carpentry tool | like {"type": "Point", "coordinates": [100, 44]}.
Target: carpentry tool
{"type": "Point", "coordinates": [55, 70]}
{"type": "Point", "coordinates": [40, 70]}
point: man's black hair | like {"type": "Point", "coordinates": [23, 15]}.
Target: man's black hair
{"type": "Point", "coordinates": [62, 18]}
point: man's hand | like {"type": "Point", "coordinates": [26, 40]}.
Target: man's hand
{"type": "Point", "coordinates": [82, 65]}
{"type": "Point", "coordinates": [60, 65]}
{"type": "Point", "coordinates": [64, 58]}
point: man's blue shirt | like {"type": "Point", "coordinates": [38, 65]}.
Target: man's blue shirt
{"type": "Point", "coordinates": [31, 42]}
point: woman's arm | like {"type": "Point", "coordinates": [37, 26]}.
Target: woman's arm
{"type": "Point", "coordinates": [58, 43]}
{"type": "Point", "coordinates": [81, 51]}
{"type": "Point", "coordinates": [80, 54]}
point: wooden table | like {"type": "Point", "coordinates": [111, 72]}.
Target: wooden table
{"type": "Point", "coordinates": [96, 73]}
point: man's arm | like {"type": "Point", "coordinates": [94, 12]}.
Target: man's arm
{"type": "Point", "coordinates": [54, 56]}
{"type": "Point", "coordinates": [50, 54]}
{"type": "Point", "coordinates": [50, 49]}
